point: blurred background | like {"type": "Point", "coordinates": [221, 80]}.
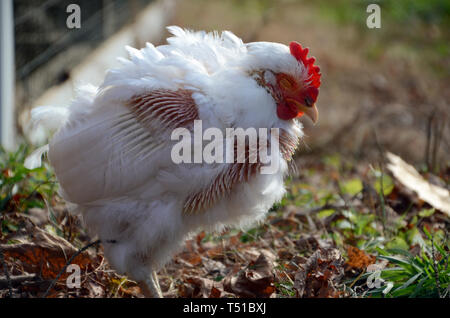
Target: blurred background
{"type": "Point", "coordinates": [383, 89]}
{"type": "Point", "coordinates": [386, 87]}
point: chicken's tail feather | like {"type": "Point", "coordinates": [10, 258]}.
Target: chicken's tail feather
{"type": "Point", "coordinates": [34, 160]}
{"type": "Point", "coordinates": [51, 117]}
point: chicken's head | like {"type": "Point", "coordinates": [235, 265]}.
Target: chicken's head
{"type": "Point", "coordinates": [299, 97]}
{"type": "Point", "coordinates": [293, 81]}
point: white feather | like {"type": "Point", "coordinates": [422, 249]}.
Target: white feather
{"type": "Point", "coordinates": [34, 160]}
{"type": "Point", "coordinates": [49, 116]}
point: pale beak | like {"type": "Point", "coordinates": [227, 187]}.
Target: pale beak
{"type": "Point", "coordinates": [310, 111]}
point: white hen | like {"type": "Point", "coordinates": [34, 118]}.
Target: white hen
{"type": "Point", "coordinates": [112, 153]}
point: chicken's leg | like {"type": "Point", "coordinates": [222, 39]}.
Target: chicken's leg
{"type": "Point", "coordinates": [150, 287]}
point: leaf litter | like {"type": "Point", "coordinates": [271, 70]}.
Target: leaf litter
{"type": "Point", "coordinates": [336, 221]}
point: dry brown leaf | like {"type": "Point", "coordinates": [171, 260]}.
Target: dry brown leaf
{"type": "Point", "coordinates": [253, 253]}
{"type": "Point", "coordinates": [235, 240]}
{"type": "Point", "coordinates": [311, 243]}
{"type": "Point", "coordinates": [254, 281]}
{"type": "Point", "coordinates": [285, 254]}
{"type": "Point", "coordinates": [203, 287]}
{"type": "Point", "coordinates": [46, 255]}
{"type": "Point", "coordinates": [215, 293]}
{"type": "Point", "coordinates": [200, 236]}
{"type": "Point", "coordinates": [216, 252]}
{"type": "Point", "coordinates": [434, 195]}
{"type": "Point", "coordinates": [214, 267]}
{"type": "Point", "coordinates": [320, 274]}
{"type": "Point", "coordinates": [133, 291]}
{"type": "Point", "coordinates": [191, 258]}
{"type": "Point", "coordinates": [358, 259]}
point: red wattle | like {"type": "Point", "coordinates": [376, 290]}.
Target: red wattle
{"type": "Point", "coordinates": [286, 113]}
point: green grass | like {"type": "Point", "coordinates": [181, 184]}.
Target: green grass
{"type": "Point", "coordinates": [424, 275]}
{"type": "Point", "coordinates": [22, 189]}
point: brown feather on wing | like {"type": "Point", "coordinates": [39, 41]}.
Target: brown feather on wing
{"type": "Point", "coordinates": [151, 116]}
{"type": "Point", "coordinates": [236, 173]}
{"type": "Point", "coordinates": [164, 108]}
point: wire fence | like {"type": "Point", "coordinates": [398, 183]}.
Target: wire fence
{"type": "Point", "coordinates": [46, 49]}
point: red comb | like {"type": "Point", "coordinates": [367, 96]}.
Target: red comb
{"type": "Point", "coordinates": [301, 55]}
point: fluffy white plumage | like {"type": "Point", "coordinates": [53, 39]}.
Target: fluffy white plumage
{"type": "Point", "coordinates": [117, 171]}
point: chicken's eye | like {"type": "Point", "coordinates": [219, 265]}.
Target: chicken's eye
{"type": "Point", "coordinates": [308, 101]}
